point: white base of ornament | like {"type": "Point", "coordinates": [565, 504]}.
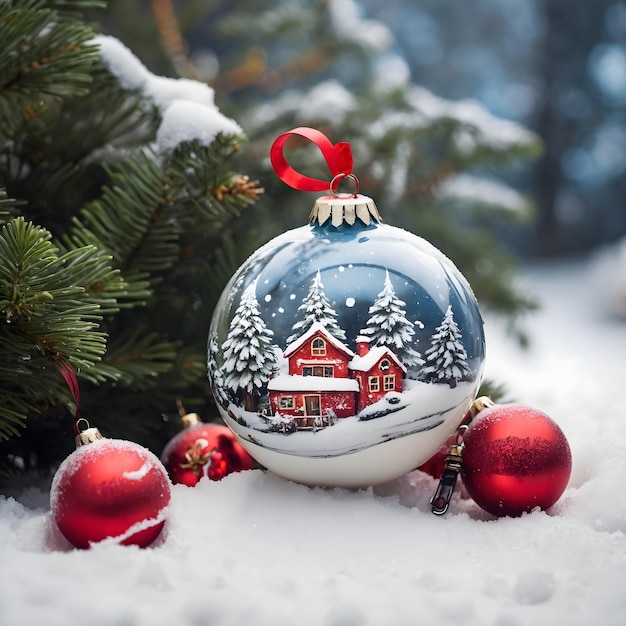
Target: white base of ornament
{"type": "Point", "coordinates": [367, 467]}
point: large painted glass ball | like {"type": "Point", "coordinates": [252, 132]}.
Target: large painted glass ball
{"type": "Point", "coordinates": [345, 352]}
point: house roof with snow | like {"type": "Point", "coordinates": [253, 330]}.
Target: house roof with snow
{"type": "Point", "coordinates": [316, 327]}
{"type": "Point", "coordinates": [367, 361]}
{"type": "Point", "coordinates": [285, 382]}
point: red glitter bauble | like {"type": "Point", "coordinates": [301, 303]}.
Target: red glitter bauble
{"type": "Point", "coordinates": [110, 489]}
{"type": "Point", "coordinates": [204, 450]}
{"type": "Point", "coordinates": [515, 459]}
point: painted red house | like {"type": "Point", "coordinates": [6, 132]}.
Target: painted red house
{"type": "Point", "coordinates": [377, 370]}
{"type": "Point", "coordinates": [317, 387]}
{"type": "Point", "coordinates": [327, 381]}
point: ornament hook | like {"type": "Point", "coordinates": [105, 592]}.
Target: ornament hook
{"type": "Point", "coordinates": [452, 466]}
{"type": "Point", "coordinates": [334, 185]}
{"type": "Point", "coordinates": [77, 425]}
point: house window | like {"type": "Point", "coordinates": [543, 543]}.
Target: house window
{"type": "Point", "coordinates": [318, 370]}
{"type": "Point", "coordinates": [318, 347]}
{"type": "Point", "coordinates": [384, 365]}
{"type": "Point", "coordinates": [389, 383]}
{"type": "Point", "coordinates": [286, 402]}
{"type": "Point", "coordinates": [374, 383]}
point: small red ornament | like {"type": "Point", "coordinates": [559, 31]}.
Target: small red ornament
{"type": "Point", "coordinates": [515, 459]}
{"type": "Point", "coordinates": [109, 488]}
{"type": "Point", "coordinates": [203, 450]}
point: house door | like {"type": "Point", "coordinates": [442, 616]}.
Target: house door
{"type": "Point", "coordinates": [312, 405]}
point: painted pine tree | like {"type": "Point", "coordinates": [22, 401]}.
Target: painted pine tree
{"type": "Point", "coordinates": [215, 374]}
{"type": "Point", "coordinates": [446, 358]}
{"type": "Point", "coordinates": [315, 307]}
{"type": "Point", "coordinates": [388, 326]}
{"type": "Point", "coordinates": [249, 357]}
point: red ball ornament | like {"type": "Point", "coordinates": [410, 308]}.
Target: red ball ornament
{"type": "Point", "coordinates": [515, 459]}
{"type": "Point", "coordinates": [109, 488]}
{"type": "Point", "coordinates": [203, 450]}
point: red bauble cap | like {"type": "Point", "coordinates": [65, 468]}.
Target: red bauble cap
{"type": "Point", "coordinates": [515, 459]}
{"type": "Point", "coordinates": [110, 488]}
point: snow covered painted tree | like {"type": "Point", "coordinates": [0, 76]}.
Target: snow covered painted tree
{"type": "Point", "coordinates": [446, 359]}
{"type": "Point", "coordinates": [315, 307]}
{"type": "Point", "coordinates": [249, 357]}
{"type": "Point", "coordinates": [388, 326]}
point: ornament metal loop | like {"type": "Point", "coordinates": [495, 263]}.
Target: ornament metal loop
{"type": "Point", "coordinates": [334, 184]}
{"type": "Point", "coordinates": [77, 426]}
{"type": "Point", "coordinates": [87, 435]}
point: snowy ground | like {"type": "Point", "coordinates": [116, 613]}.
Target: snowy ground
{"type": "Point", "coordinates": [257, 550]}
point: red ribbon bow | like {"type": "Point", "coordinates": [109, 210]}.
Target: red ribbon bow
{"type": "Point", "coordinates": [338, 157]}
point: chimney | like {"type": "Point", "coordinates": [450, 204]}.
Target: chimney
{"type": "Point", "coordinates": [362, 345]}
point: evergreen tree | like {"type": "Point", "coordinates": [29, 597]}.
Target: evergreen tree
{"type": "Point", "coordinates": [249, 358]}
{"type": "Point", "coordinates": [315, 307]}
{"type": "Point", "coordinates": [389, 326]}
{"type": "Point", "coordinates": [118, 191]}
{"type": "Point", "coordinates": [446, 358]}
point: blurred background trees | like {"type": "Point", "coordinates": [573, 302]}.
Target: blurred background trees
{"type": "Point", "coordinates": [556, 66]}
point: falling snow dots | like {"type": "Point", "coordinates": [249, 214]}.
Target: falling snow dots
{"type": "Point", "coordinates": [345, 354]}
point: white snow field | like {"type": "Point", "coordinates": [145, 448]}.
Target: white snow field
{"type": "Point", "coordinates": [255, 549]}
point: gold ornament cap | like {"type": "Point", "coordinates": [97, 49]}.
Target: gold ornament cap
{"type": "Point", "coordinates": [344, 209]}
{"type": "Point", "coordinates": [86, 436]}
{"type": "Point", "coordinates": [480, 404]}
{"type": "Point", "coordinates": [190, 419]}
{"type": "Point", "coordinates": [186, 419]}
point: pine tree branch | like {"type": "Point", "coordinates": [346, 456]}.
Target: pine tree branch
{"type": "Point", "coordinates": [42, 54]}
{"type": "Point", "coordinates": [48, 315]}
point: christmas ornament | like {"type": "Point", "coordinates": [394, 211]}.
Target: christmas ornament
{"type": "Point", "coordinates": [203, 450]}
{"type": "Point", "coordinates": [109, 488]}
{"type": "Point", "coordinates": [515, 459]}
{"type": "Point", "coordinates": [345, 352]}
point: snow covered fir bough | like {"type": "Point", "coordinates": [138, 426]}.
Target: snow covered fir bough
{"type": "Point", "coordinates": [346, 351]}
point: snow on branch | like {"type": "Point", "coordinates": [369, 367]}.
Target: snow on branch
{"type": "Point", "coordinates": [328, 101]}
{"type": "Point", "coordinates": [187, 106]}
{"type": "Point", "coordinates": [493, 131]}
{"type": "Point", "coordinates": [478, 190]}
{"type": "Point", "coordinates": [348, 25]}
{"type": "Point", "coordinates": [475, 126]}
{"type": "Point", "coordinates": [188, 121]}
{"type": "Point", "coordinates": [133, 75]}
